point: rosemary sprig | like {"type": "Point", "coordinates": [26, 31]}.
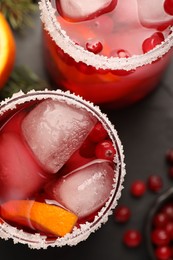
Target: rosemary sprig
{"type": "Point", "coordinates": [22, 78]}
{"type": "Point", "coordinates": [18, 12]}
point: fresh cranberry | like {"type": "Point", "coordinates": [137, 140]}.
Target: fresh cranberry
{"type": "Point", "coordinates": [87, 149]}
{"type": "Point", "coordinates": [94, 47]}
{"type": "Point", "coordinates": [169, 229]}
{"type": "Point", "coordinates": [105, 150]}
{"type": "Point", "coordinates": [160, 237]}
{"type": "Point", "coordinates": [163, 253]}
{"type": "Point", "coordinates": [152, 41]}
{"type": "Point", "coordinates": [132, 238]}
{"type": "Point", "coordinates": [168, 210]}
{"type": "Point", "coordinates": [155, 183]}
{"type": "Point", "coordinates": [121, 53]}
{"type": "Point", "coordinates": [169, 156]}
{"type": "Point", "coordinates": [98, 133]}
{"type": "Point", "coordinates": [122, 214]}
{"type": "Point", "coordinates": [160, 220]}
{"type": "Point", "coordinates": [168, 7]}
{"type": "Point", "coordinates": [138, 188]}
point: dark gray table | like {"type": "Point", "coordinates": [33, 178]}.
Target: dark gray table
{"type": "Point", "coordinates": [146, 131]}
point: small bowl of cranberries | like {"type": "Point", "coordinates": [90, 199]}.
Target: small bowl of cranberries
{"type": "Point", "coordinates": [159, 227]}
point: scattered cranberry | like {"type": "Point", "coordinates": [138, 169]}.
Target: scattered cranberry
{"type": "Point", "coordinates": [122, 214]}
{"type": "Point", "coordinates": [98, 134]}
{"type": "Point", "coordinates": [169, 229]}
{"type": "Point", "coordinates": [155, 183]}
{"type": "Point", "coordinates": [105, 150]}
{"type": "Point", "coordinates": [132, 238]}
{"type": "Point", "coordinates": [162, 234]}
{"type": "Point", "coordinates": [169, 156]}
{"type": "Point", "coordinates": [160, 237]}
{"type": "Point", "coordinates": [168, 211]}
{"type": "Point", "coordinates": [168, 6]}
{"type": "Point", "coordinates": [152, 41]}
{"type": "Point", "coordinates": [94, 47]}
{"type": "Point", "coordinates": [160, 220]}
{"type": "Point", "coordinates": [162, 223]}
{"type": "Point", "coordinates": [138, 188]}
{"type": "Point", "coordinates": [163, 253]}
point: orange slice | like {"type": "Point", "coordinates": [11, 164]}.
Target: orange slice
{"type": "Point", "coordinates": [40, 216]}
{"type": "Point", "coordinates": [7, 50]}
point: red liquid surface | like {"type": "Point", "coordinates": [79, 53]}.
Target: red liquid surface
{"type": "Point", "coordinates": [23, 177]}
{"type": "Point", "coordinates": [121, 34]}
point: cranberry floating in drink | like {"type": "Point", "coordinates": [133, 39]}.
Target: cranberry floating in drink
{"type": "Point", "coordinates": [155, 13]}
{"type": "Point", "coordinates": [112, 53]}
{"type": "Point", "coordinates": [54, 190]}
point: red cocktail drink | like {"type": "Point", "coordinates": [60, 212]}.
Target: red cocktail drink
{"type": "Point", "coordinates": [112, 53]}
{"type": "Point", "coordinates": [61, 168]}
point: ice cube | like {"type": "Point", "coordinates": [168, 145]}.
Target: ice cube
{"type": "Point", "coordinates": [55, 130]}
{"type": "Point", "coordinates": [84, 190]}
{"type": "Point", "coordinates": [80, 10]}
{"type": "Point", "coordinates": [152, 13]}
{"type": "Point", "coordinates": [20, 176]}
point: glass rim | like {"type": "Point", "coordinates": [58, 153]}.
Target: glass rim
{"type": "Point", "coordinates": [36, 240]}
{"type": "Point", "coordinates": [79, 54]}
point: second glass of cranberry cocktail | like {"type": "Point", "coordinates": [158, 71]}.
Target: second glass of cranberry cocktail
{"type": "Point", "coordinates": [61, 168]}
{"type": "Point", "coordinates": [111, 52]}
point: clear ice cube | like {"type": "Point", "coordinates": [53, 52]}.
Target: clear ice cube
{"type": "Point", "coordinates": [152, 13]}
{"type": "Point", "coordinates": [20, 176]}
{"type": "Point", "coordinates": [84, 190]}
{"type": "Point", "coordinates": [55, 130]}
{"type": "Point", "coordinates": [80, 10]}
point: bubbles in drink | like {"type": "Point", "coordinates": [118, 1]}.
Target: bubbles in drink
{"type": "Point", "coordinates": [89, 188]}
{"type": "Point", "coordinates": [57, 131]}
{"type": "Point", "coordinates": [153, 14]}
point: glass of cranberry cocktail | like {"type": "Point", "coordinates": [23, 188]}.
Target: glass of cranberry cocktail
{"type": "Point", "coordinates": [61, 168]}
{"type": "Point", "coordinates": [111, 52]}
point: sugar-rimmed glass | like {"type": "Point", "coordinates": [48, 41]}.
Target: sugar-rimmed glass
{"type": "Point", "coordinates": [35, 240]}
{"type": "Point", "coordinates": [112, 89]}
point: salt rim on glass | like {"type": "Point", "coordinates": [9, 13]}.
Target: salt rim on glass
{"type": "Point", "coordinates": [78, 53]}
{"type": "Point", "coordinates": [37, 241]}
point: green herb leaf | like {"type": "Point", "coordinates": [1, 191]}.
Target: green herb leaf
{"type": "Point", "coordinates": [22, 78]}
{"type": "Point", "coordinates": [18, 12]}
